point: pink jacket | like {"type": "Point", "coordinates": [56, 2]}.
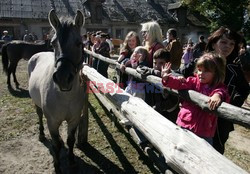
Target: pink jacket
{"type": "Point", "coordinates": [191, 116]}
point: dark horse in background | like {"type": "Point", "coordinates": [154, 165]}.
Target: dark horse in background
{"type": "Point", "coordinates": [55, 84]}
{"type": "Point", "coordinates": [14, 51]}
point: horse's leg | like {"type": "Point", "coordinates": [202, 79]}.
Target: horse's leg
{"type": "Point", "coordinates": [12, 69]}
{"type": "Point", "coordinates": [71, 141]}
{"type": "Point", "coordinates": [41, 128]}
{"type": "Point", "coordinates": [56, 142]}
{"type": "Point", "coordinates": [14, 75]}
{"type": "Point", "coordinates": [8, 74]}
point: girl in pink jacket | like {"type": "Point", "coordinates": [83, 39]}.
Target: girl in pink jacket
{"type": "Point", "coordinates": [208, 80]}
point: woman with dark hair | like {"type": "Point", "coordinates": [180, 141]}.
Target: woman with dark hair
{"type": "Point", "coordinates": [225, 42]}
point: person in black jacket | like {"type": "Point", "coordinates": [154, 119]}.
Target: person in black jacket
{"type": "Point", "coordinates": [103, 49]}
{"type": "Point", "coordinates": [225, 42]}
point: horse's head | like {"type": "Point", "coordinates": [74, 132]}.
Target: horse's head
{"type": "Point", "coordinates": [68, 49]}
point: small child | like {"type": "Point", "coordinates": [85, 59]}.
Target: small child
{"type": "Point", "coordinates": [208, 80]}
{"type": "Point", "coordinates": [139, 57]}
{"type": "Point", "coordinates": [165, 103]}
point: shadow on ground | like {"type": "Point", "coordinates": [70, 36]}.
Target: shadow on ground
{"type": "Point", "coordinates": [19, 92]}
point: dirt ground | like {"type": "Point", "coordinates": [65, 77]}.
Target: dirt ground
{"type": "Point", "coordinates": [109, 150]}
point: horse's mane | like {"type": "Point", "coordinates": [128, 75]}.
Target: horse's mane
{"type": "Point", "coordinates": [66, 20]}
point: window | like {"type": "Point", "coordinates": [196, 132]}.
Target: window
{"type": "Point", "coordinates": [119, 33]}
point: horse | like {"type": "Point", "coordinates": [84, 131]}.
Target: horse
{"type": "Point", "coordinates": [14, 51]}
{"type": "Point", "coordinates": [54, 83]}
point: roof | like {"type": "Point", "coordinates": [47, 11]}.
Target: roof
{"type": "Point", "coordinates": [138, 11]}
{"type": "Point", "coordinates": [175, 5]}
{"type": "Point", "coordinates": [196, 19]}
{"type": "Point", "coordinates": [133, 11]}
{"type": "Point", "coordinates": [35, 9]}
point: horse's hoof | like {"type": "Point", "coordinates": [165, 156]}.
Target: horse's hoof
{"type": "Point", "coordinates": [17, 85]}
{"type": "Point", "coordinates": [72, 161]}
{"type": "Point", "coordinates": [58, 170]}
{"type": "Point", "coordinates": [73, 168]}
{"type": "Point", "coordinates": [9, 86]}
{"type": "Point", "coordinates": [72, 164]}
{"type": "Point", "coordinates": [42, 138]}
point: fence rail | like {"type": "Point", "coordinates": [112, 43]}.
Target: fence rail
{"type": "Point", "coordinates": [235, 114]}
{"type": "Point", "coordinates": [183, 151]}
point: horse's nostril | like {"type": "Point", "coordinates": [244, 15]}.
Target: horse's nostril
{"type": "Point", "coordinates": [70, 78]}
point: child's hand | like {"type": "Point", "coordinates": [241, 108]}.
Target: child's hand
{"type": "Point", "coordinates": [141, 58]}
{"type": "Point", "coordinates": [181, 79]}
{"type": "Point", "coordinates": [165, 71]}
{"type": "Point", "coordinates": [214, 101]}
{"type": "Point", "coordinates": [122, 68]}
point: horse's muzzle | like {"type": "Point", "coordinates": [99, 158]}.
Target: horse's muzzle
{"type": "Point", "coordinates": [63, 80]}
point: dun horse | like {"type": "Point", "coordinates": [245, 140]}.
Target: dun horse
{"type": "Point", "coordinates": [54, 83]}
{"type": "Point", "coordinates": [16, 50]}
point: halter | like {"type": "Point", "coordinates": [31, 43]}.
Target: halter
{"type": "Point", "coordinates": [76, 67]}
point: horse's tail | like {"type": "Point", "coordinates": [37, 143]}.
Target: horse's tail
{"type": "Point", "coordinates": [5, 59]}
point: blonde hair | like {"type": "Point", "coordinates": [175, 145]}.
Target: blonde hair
{"type": "Point", "coordinates": [212, 62]}
{"type": "Point", "coordinates": [154, 32]}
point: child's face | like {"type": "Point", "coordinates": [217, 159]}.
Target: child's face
{"type": "Point", "coordinates": [169, 37]}
{"type": "Point", "coordinates": [159, 63]}
{"type": "Point", "coordinates": [136, 56]}
{"type": "Point", "coordinates": [205, 76]}
{"type": "Point", "coordinates": [132, 43]}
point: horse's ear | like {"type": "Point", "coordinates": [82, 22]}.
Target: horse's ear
{"type": "Point", "coordinates": [79, 19]}
{"type": "Point", "coordinates": [53, 19]}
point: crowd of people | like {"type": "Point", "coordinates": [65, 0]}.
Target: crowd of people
{"type": "Point", "coordinates": [27, 37]}
{"type": "Point", "coordinates": [217, 68]}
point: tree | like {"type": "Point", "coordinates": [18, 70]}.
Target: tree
{"type": "Point", "coordinates": [230, 13]}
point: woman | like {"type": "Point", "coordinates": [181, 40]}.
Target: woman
{"type": "Point", "coordinates": [103, 49]}
{"type": "Point", "coordinates": [152, 38]}
{"type": "Point", "coordinates": [225, 42]}
{"type": "Point", "coordinates": [131, 41]}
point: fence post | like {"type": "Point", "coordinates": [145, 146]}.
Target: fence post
{"type": "Point", "coordinates": [118, 75]}
{"type": "Point", "coordinates": [82, 133]}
